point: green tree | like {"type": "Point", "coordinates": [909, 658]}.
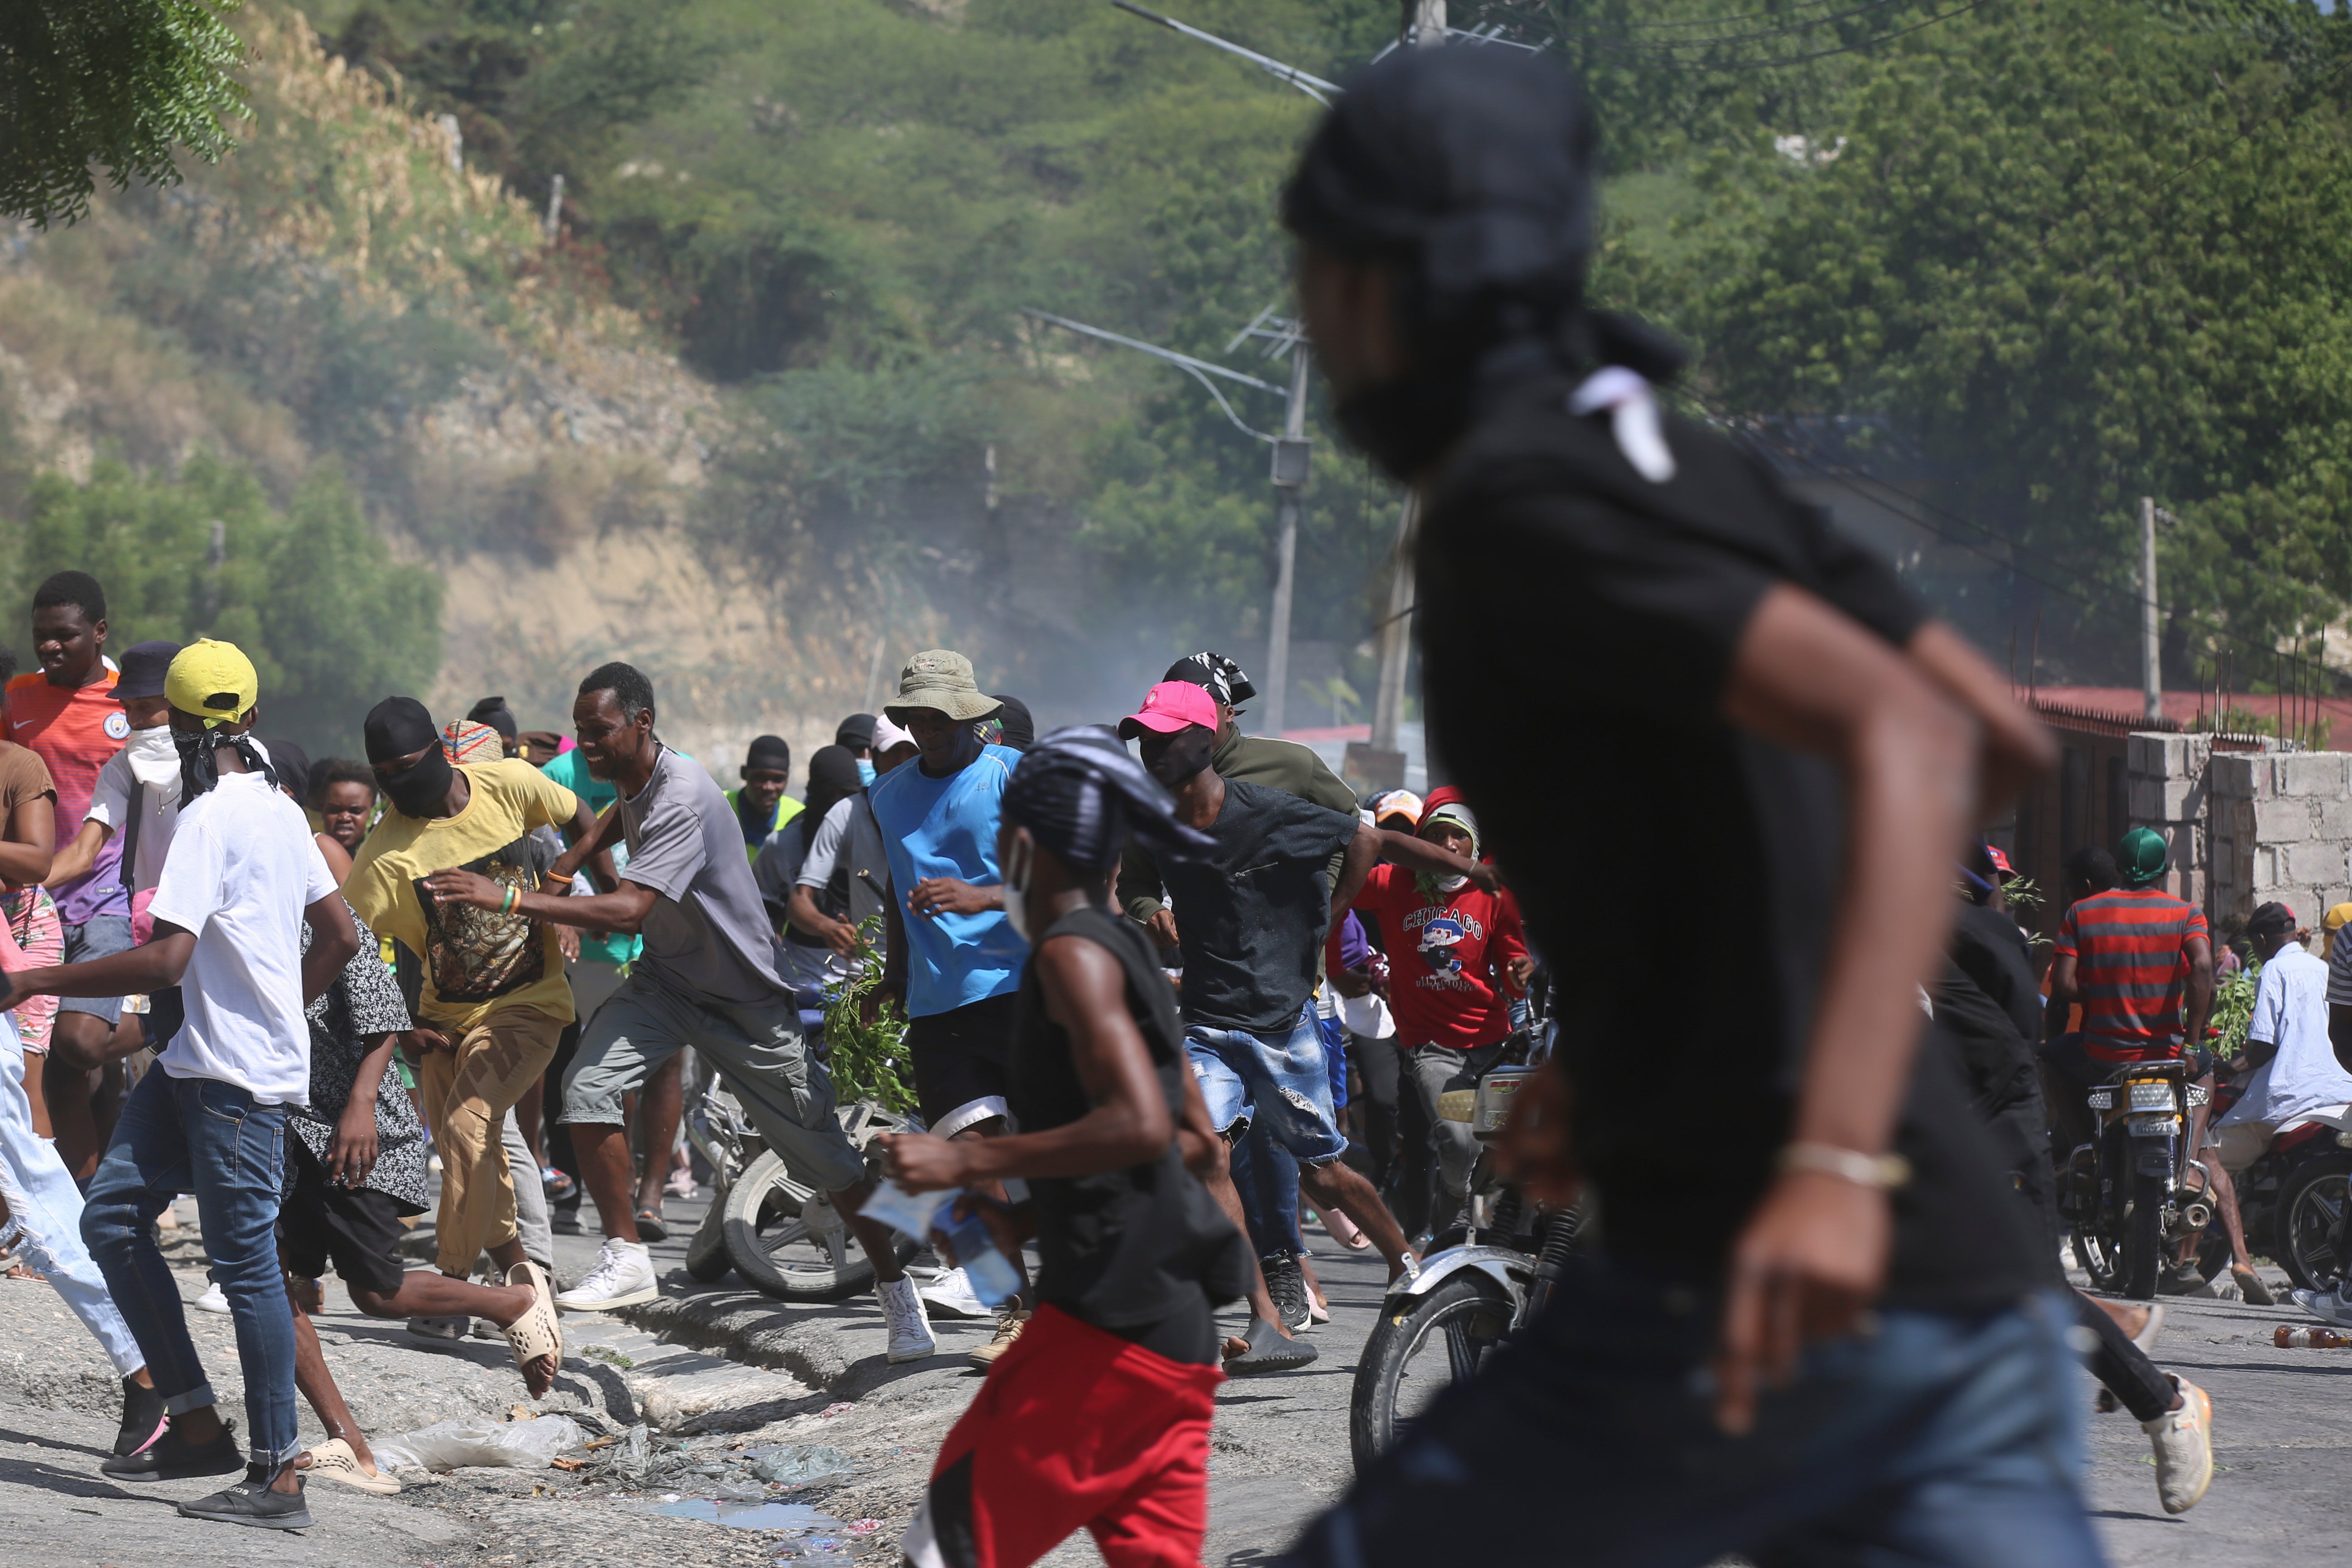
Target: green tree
{"type": "Point", "coordinates": [311, 594]}
{"type": "Point", "coordinates": [2078, 252]}
{"type": "Point", "coordinates": [115, 84]}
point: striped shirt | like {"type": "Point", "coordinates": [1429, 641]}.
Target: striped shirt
{"type": "Point", "coordinates": [2130, 947]}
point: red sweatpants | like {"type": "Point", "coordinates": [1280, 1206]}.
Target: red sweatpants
{"type": "Point", "coordinates": [1074, 1426]}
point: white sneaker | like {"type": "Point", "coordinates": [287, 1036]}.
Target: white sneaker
{"type": "Point", "coordinates": [2328, 1306]}
{"type": "Point", "coordinates": [910, 1332]}
{"type": "Point", "coordinates": [624, 1277]}
{"type": "Point", "coordinates": [950, 1296]}
{"type": "Point", "coordinates": [212, 1301]}
{"type": "Point", "coordinates": [2184, 1448]}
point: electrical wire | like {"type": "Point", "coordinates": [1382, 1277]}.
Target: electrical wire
{"type": "Point", "coordinates": [1803, 26]}
{"type": "Point", "coordinates": [1655, 58]}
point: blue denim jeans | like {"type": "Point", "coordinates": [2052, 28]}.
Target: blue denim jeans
{"type": "Point", "coordinates": [1266, 1178]}
{"type": "Point", "coordinates": [203, 1136]}
{"type": "Point", "coordinates": [1283, 1080]}
{"type": "Point", "coordinates": [1937, 1440]}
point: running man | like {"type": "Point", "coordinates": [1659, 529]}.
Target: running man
{"type": "Point", "coordinates": [495, 999]}
{"type": "Point", "coordinates": [67, 715]}
{"type": "Point", "coordinates": [951, 958]}
{"type": "Point", "coordinates": [1099, 1417]}
{"type": "Point", "coordinates": [1785, 720]}
{"type": "Point", "coordinates": [1254, 910]}
{"type": "Point", "coordinates": [243, 880]}
{"type": "Point", "coordinates": [709, 978]}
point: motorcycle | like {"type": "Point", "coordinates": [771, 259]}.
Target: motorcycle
{"type": "Point", "coordinates": [1477, 1286]}
{"type": "Point", "coordinates": [2293, 1202]}
{"type": "Point", "coordinates": [2124, 1195]}
{"type": "Point", "coordinates": [779, 1232]}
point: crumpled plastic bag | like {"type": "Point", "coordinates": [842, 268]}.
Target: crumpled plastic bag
{"type": "Point", "coordinates": [795, 1465]}
{"type": "Point", "coordinates": [632, 1460]}
{"type": "Point", "coordinates": [480, 1440]}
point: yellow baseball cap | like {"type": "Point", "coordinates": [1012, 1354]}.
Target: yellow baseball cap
{"type": "Point", "coordinates": [212, 680]}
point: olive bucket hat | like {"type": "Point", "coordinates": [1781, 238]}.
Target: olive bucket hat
{"type": "Point", "coordinates": [940, 679]}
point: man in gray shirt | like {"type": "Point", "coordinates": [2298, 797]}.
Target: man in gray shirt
{"type": "Point", "coordinates": [707, 978]}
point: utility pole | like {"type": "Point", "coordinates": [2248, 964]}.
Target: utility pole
{"type": "Point", "coordinates": [1291, 458]}
{"type": "Point", "coordinates": [1428, 24]}
{"type": "Point", "coordinates": [2151, 665]}
{"type": "Point", "coordinates": [1396, 633]}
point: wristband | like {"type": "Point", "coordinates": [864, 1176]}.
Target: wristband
{"type": "Point", "coordinates": [514, 895]}
{"type": "Point", "coordinates": [553, 876]}
{"type": "Point", "coordinates": [1881, 1173]}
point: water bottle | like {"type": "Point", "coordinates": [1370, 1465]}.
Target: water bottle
{"type": "Point", "coordinates": [993, 1279]}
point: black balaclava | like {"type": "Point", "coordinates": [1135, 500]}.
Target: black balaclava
{"type": "Point", "coordinates": [494, 712]}
{"type": "Point", "coordinates": [1470, 171]}
{"type": "Point", "coordinates": [832, 778]}
{"type": "Point", "coordinates": [395, 727]}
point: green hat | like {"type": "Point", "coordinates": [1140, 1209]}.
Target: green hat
{"type": "Point", "coordinates": [2142, 856]}
{"type": "Point", "coordinates": [940, 679]}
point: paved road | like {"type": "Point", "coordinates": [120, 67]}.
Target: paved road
{"type": "Point", "coordinates": [2283, 1424]}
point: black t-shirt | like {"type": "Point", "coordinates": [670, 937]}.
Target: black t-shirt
{"type": "Point", "coordinates": [1578, 624]}
{"type": "Point", "coordinates": [1250, 915]}
{"type": "Point", "coordinates": [1123, 1250]}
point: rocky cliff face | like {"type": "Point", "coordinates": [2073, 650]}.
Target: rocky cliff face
{"type": "Point", "coordinates": [343, 288]}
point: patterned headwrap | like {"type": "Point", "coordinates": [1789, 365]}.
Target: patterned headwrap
{"type": "Point", "coordinates": [1082, 795]}
{"type": "Point", "coordinates": [466, 741]}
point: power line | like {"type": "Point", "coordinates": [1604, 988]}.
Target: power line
{"type": "Point", "coordinates": [1801, 27]}
{"type": "Point", "coordinates": [1657, 57]}
{"type": "Point", "coordinates": [1632, 28]}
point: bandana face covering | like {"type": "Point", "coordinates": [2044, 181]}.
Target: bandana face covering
{"type": "Point", "coordinates": [154, 756]}
{"type": "Point", "coordinates": [416, 789]}
{"type": "Point", "coordinates": [200, 767]}
{"type": "Point", "coordinates": [1406, 425]}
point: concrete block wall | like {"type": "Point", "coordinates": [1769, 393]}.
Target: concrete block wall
{"type": "Point", "coordinates": [2168, 778]}
{"type": "Point", "coordinates": [2281, 829]}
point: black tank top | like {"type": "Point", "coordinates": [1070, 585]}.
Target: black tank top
{"type": "Point", "coordinates": [1124, 1250]}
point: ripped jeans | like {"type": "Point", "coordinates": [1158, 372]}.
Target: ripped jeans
{"type": "Point", "coordinates": [45, 1213]}
{"type": "Point", "coordinates": [1280, 1082]}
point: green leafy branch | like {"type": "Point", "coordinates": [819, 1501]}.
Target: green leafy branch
{"type": "Point", "coordinates": [868, 1060]}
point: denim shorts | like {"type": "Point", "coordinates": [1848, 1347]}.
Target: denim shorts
{"type": "Point", "coordinates": [1283, 1079]}
{"type": "Point", "coordinates": [101, 936]}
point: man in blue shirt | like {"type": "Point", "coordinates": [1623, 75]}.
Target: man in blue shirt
{"type": "Point", "coordinates": [954, 959]}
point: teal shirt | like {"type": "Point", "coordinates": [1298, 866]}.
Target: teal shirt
{"type": "Point", "coordinates": [571, 771]}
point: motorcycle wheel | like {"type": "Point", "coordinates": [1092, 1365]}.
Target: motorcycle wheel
{"type": "Point", "coordinates": [2097, 1256]}
{"type": "Point", "coordinates": [2311, 1206]}
{"type": "Point", "coordinates": [2143, 1239]}
{"type": "Point", "coordinates": [788, 1239]}
{"type": "Point", "coordinates": [1418, 1349]}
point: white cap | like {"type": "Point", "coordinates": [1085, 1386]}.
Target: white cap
{"type": "Point", "coordinates": [887, 735]}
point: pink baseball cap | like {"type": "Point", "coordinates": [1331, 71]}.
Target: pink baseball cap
{"type": "Point", "coordinates": [1171, 705]}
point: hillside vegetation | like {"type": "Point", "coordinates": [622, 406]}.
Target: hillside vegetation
{"type": "Point", "coordinates": [762, 411]}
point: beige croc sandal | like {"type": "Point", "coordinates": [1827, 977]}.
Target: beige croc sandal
{"type": "Point", "coordinates": [537, 1332]}
{"type": "Point", "coordinates": [333, 1461]}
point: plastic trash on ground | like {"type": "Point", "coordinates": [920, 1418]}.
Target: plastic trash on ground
{"type": "Point", "coordinates": [797, 1464]}
{"type": "Point", "coordinates": [480, 1440]}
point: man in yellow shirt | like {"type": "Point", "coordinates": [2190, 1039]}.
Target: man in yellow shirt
{"type": "Point", "coordinates": [495, 997]}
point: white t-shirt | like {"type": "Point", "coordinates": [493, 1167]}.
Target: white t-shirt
{"type": "Point", "coordinates": [155, 769]}
{"type": "Point", "coordinates": [2291, 1013]}
{"type": "Point", "coordinates": [243, 869]}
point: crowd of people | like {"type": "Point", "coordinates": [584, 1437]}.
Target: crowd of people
{"type": "Point", "coordinates": [1168, 986]}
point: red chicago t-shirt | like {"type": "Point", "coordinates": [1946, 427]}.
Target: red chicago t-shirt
{"type": "Point", "coordinates": [1447, 957]}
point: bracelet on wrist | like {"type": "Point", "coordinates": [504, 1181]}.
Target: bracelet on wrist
{"type": "Point", "coordinates": [514, 895]}
{"type": "Point", "coordinates": [1881, 1173]}
{"type": "Point", "coordinates": [551, 876]}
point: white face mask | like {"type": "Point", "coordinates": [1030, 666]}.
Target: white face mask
{"type": "Point", "coordinates": [1017, 872]}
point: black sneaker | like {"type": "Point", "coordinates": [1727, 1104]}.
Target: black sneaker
{"type": "Point", "coordinates": [250, 1501]}
{"type": "Point", "coordinates": [173, 1458]}
{"type": "Point", "coordinates": [1286, 1281]}
{"type": "Point", "coordinates": [142, 1418]}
